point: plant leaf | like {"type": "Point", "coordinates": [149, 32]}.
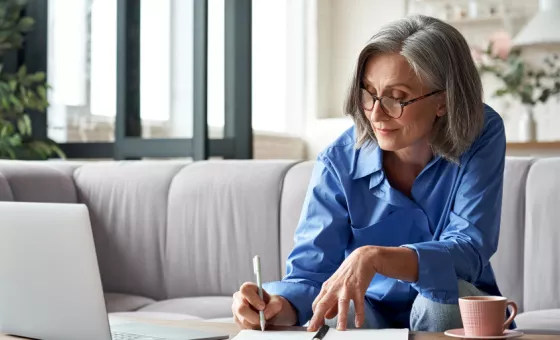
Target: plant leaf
{"type": "Point", "coordinates": [42, 92]}
{"type": "Point", "coordinates": [10, 151]}
{"type": "Point", "coordinates": [4, 131]}
{"type": "Point", "coordinates": [502, 92]}
{"type": "Point", "coordinates": [21, 126]}
{"type": "Point", "coordinates": [7, 130]}
{"type": "Point", "coordinates": [24, 125]}
{"type": "Point", "coordinates": [26, 24]}
{"type": "Point", "coordinates": [41, 148]}
{"type": "Point", "coordinates": [17, 103]}
{"type": "Point", "coordinates": [22, 71]}
{"type": "Point", "coordinates": [27, 122]}
{"type": "Point", "coordinates": [13, 84]}
{"type": "Point", "coordinates": [15, 140]}
{"type": "Point", "coordinates": [36, 77]}
{"type": "Point", "coordinates": [58, 151]}
{"type": "Point", "coordinates": [5, 102]}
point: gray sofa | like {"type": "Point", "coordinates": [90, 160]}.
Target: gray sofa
{"type": "Point", "coordinates": [176, 240]}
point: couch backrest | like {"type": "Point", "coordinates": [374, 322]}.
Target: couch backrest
{"type": "Point", "coordinates": [127, 204]}
{"type": "Point", "coordinates": [293, 195]}
{"type": "Point", "coordinates": [222, 214]}
{"type": "Point", "coordinates": [167, 229]}
{"type": "Point", "coordinates": [508, 260]}
{"type": "Point", "coordinates": [542, 236]}
{"type": "Point", "coordinates": [31, 182]}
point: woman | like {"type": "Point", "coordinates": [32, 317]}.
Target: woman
{"type": "Point", "coordinates": [403, 210]}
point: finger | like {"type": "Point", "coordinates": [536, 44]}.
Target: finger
{"type": "Point", "coordinates": [249, 292]}
{"type": "Point", "coordinates": [245, 312]}
{"type": "Point", "coordinates": [359, 306]}
{"type": "Point", "coordinates": [321, 309]}
{"type": "Point", "coordinates": [319, 298]}
{"type": "Point", "coordinates": [247, 325]}
{"type": "Point", "coordinates": [243, 324]}
{"type": "Point", "coordinates": [316, 325]}
{"type": "Point", "coordinates": [237, 298]}
{"type": "Point", "coordinates": [237, 302]}
{"type": "Point", "coordinates": [332, 312]}
{"type": "Point", "coordinates": [266, 296]}
{"type": "Point", "coordinates": [272, 308]}
{"type": "Point", "coordinates": [342, 313]}
{"type": "Point", "coordinates": [236, 320]}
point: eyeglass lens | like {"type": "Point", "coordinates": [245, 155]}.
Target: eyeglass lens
{"type": "Point", "coordinates": [389, 105]}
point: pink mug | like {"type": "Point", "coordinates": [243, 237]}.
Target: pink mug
{"type": "Point", "coordinates": [485, 315]}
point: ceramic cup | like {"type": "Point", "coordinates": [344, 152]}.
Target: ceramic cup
{"type": "Point", "coordinates": [485, 315]}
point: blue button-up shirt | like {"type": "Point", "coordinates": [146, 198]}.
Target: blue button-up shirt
{"type": "Point", "coordinates": [451, 220]}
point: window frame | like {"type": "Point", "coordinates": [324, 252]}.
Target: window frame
{"type": "Point", "coordinates": [128, 143]}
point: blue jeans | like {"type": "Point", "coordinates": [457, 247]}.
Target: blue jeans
{"type": "Point", "coordinates": [426, 315]}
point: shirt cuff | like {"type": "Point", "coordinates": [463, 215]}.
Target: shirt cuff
{"type": "Point", "coordinates": [437, 279]}
{"type": "Point", "coordinates": [300, 295]}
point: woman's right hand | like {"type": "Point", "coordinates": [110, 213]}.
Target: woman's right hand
{"type": "Point", "coordinates": [246, 306]}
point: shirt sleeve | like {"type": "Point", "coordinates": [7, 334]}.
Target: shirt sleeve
{"type": "Point", "coordinates": [320, 241]}
{"type": "Point", "coordinates": [465, 246]}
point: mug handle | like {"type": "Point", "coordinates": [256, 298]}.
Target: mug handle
{"type": "Point", "coordinates": [513, 314]}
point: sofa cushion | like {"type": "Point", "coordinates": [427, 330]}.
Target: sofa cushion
{"type": "Point", "coordinates": [542, 236]}
{"type": "Point", "coordinates": [67, 167]}
{"type": "Point", "coordinates": [508, 260]}
{"type": "Point", "coordinates": [35, 182]}
{"type": "Point", "coordinates": [222, 214]}
{"type": "Point", "coordinates": [116, 302]}
{"type": "Point", "coordinates": [293, 195]}
{"type": "Point", "coordinates": [539, 320]}
{"type": "Point", "coordinates": [127, 202]}
{"type": "Point", "coordinates": [205, 307]}
{"type": "Point", "coordinates": [5, 190]}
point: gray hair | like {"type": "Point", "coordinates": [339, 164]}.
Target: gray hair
{"type": "Point", "coordinates": [441, 58]}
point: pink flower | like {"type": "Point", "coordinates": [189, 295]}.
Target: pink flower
{"type": "Point", "coordinates": [501, 45]}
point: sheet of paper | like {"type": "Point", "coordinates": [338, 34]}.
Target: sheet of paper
{"type": "Point", "coordinates": [273, 335]}
{"type": "Point", "coordinates": [333, 334]}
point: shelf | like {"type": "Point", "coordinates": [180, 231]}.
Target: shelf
{"type": "Point", "coordinates": [485, 20]}
{"type": "Point", "coordinates": [553, 145]}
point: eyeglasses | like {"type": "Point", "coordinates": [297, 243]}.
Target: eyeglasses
{"type": "Point", "coordinates": [391, 106]}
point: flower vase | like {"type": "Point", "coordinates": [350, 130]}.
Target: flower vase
{"type": "Point", "coordinates": [527, 125]}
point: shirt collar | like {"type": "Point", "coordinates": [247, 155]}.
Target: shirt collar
{"type": "Point", "coordinates": [368, 159]}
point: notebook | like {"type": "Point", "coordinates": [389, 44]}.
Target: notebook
{"type": "Point", "coordinates": [332, 334]}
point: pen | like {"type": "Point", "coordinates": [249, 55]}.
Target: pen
{"type": "Point", "coordinates": [257, 269]}
{"type": "Point", "coordinates": [321, 332]}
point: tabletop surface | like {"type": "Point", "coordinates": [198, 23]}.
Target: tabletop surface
{"type": "Point", "coordinates": [232, 330]}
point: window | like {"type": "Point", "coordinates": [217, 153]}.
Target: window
{"type": "Point", "coordinates": [82, 68]}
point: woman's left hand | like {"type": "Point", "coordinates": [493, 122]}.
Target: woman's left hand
{"type": "Point", "coordinates": [349, 282]}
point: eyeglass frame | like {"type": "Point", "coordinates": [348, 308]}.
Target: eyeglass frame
{"type": "Point", "coordinates": [402, 104]}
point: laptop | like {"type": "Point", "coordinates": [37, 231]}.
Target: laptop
{"type": "Point", "coordinates": [50, 286]}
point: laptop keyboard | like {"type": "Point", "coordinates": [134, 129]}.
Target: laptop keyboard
{"type": "Point", "coordinates": [130, 336]}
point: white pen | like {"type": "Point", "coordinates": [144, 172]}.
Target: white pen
{"type": "Point", "coordinates": [257, 270]}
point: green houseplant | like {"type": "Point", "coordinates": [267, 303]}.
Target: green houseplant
{"type": "Point", "coordinates": [20, 91]}
{"type": "Point", "coordinates": [527, 83]}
